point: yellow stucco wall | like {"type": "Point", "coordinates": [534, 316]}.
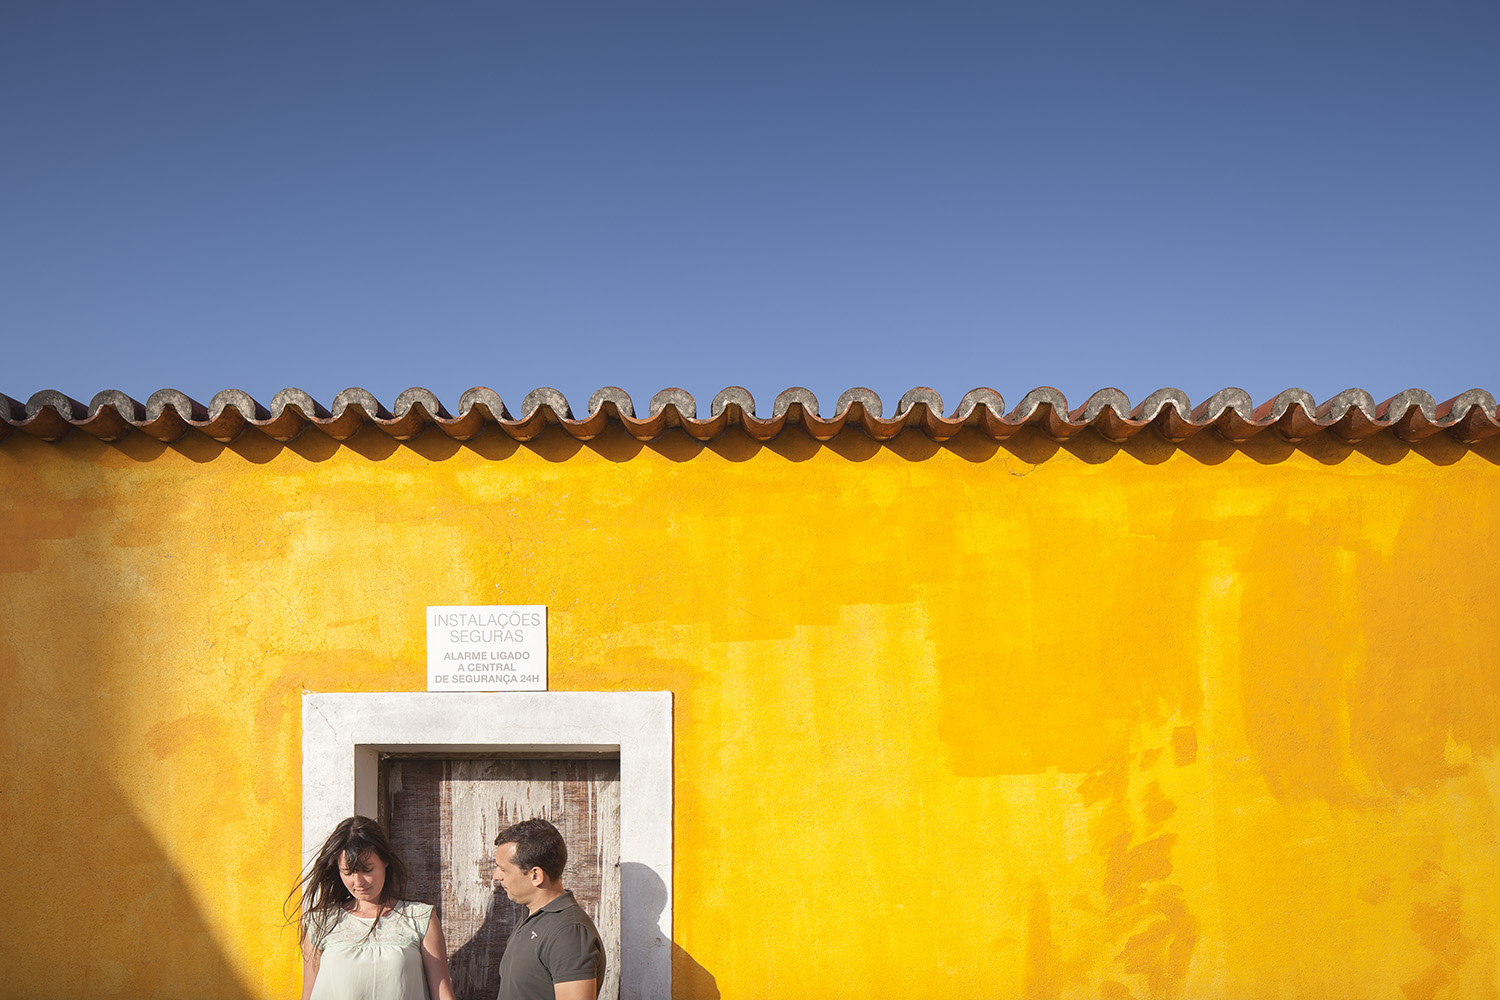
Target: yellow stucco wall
{"type": "Point", "coordinates": [962, 721]}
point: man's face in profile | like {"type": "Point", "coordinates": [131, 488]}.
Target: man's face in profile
{"type": "Point", "coordinates": [518, 885]}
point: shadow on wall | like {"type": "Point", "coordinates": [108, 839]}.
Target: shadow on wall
{"type": "Point", "coordinates": [647, 897]}
{"type": "Point", "coordinates": [1028, 445]}
{"type": "Point", "coordinates": [95, 905]}
{"type": "Point", "coordinates": [134, 929]}
{"type": "Point", "coordinates": [475, 966]}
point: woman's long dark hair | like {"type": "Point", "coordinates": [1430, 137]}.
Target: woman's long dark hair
{"type": "Point", "coordinates": [321, 889]}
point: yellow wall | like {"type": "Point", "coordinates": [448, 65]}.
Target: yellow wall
{"type": "Point", "coordinates": [964, 721]}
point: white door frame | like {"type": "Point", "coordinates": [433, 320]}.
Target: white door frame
{"type": "Point", "coordinates": [343, 736]}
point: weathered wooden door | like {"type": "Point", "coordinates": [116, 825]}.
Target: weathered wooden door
{"type": "Point", "coordinates": [443, 815]}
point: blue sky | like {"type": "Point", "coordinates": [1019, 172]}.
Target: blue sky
{"type": "Point", "coordinates": [260, 195]}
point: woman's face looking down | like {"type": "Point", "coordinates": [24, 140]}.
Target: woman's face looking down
{"type": "Point", "coordinates": [366, 880]}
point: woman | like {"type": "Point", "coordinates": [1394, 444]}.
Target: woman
{"type": "Point", "coordinates": [360, 939]}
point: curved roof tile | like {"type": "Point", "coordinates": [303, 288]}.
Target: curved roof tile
{"type": "Point", "coordinates": [1352, 415]}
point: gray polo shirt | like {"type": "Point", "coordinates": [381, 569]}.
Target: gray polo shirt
{"type": "Point", "coordinates": [556, 944]}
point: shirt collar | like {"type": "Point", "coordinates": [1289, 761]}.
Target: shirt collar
{"type": "Point", "coordinates": [555, 906]}
{"type": "Point", "coordinates": [560, 903]}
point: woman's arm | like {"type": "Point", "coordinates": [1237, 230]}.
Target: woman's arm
{"type": "Point", "coordinates": [435, 961]}
{"type": "Point", "coordinates": [310, 958]}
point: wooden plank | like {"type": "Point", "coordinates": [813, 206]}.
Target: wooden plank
{"type": "Point", "coordinates": [444, 816]}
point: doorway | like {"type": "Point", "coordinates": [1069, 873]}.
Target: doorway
{"type": "Point", "coordinates": [443, 813]}
{"type": "Point", "coordinates": [344, 736]}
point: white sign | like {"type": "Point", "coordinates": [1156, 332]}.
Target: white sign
{"type": "Point", "coordinates": [498, 647]}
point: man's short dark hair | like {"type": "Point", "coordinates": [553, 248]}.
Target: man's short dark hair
{"type": "Point", "coordinates": [538, 845]}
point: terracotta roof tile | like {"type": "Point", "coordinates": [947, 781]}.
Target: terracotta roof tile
{"type": "Point", "coordinates": [1352, 415]}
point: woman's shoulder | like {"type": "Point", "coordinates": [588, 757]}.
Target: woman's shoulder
{"type": "Point", "coordinates": [419, 914]}
{"type": "Point", "coordinates": [325, 925]}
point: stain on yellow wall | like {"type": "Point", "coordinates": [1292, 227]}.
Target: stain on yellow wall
{"type": "Point", "coordinates": [950, 721]}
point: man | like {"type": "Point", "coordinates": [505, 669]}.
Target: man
{"type": "Point", "coordinates": [555, 953]}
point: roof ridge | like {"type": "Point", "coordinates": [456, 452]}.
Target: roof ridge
{"type": "Point", "coordinates": [1352, 415]}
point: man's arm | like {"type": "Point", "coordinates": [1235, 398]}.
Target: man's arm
{"type": "Point", "coordinates": [578, 989]}
{"type": "Point", "coordinates": [572, 957]}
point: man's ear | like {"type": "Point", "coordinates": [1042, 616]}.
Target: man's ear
{"type": "Point", "coordinates": [537, 876]}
